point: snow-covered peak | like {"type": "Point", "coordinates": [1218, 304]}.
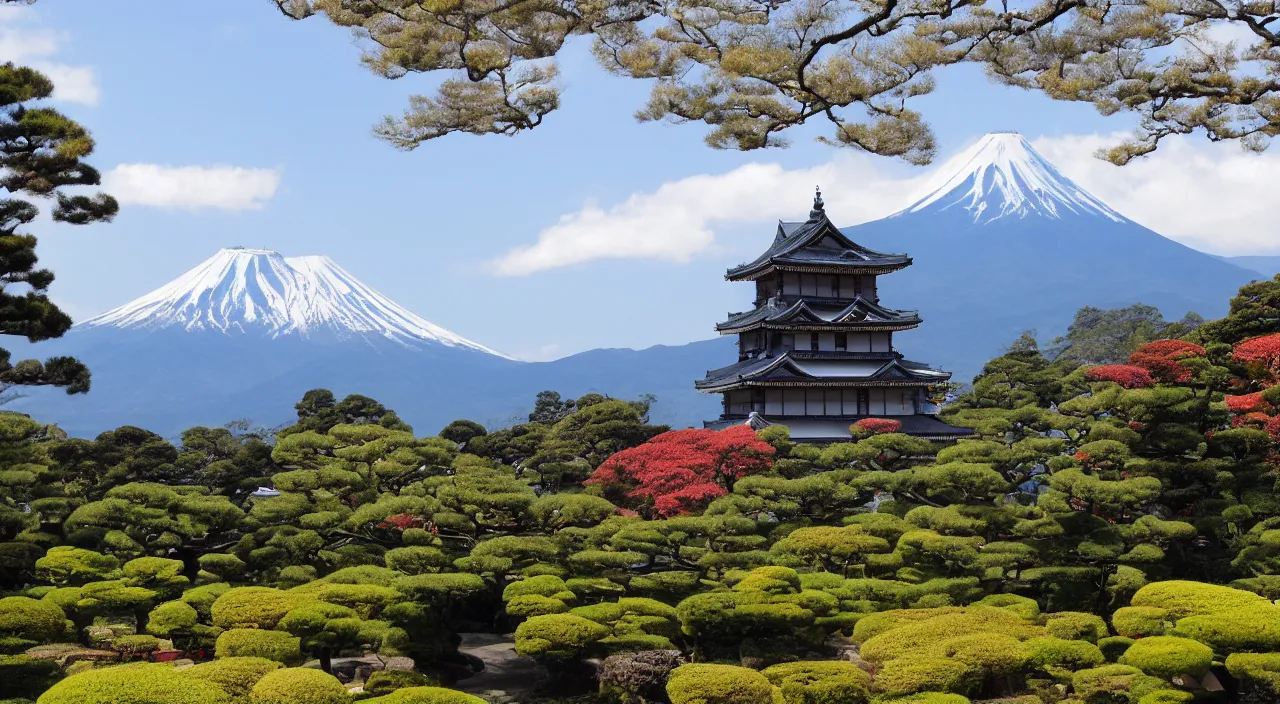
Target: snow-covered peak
{"type": "Point", "coordinates": [258, 291]}
{"type": "Point", "coordinates": [1003, 176]}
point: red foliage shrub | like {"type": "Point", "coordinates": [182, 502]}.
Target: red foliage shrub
{"type": "Point", "coordinates": [1252, 418]}
{"type": "Point", "coordinates": [402, 521]}
{"type": "Point", "coordinates": [1262, 356]}
{"type": "Point", "coordinates": [1246, 403]}
{"type": "Point", "coordinates": [682, 470]}
{"type": "Point", "coordinates": [1081, 457]}
{"type": "Point", "coordinates": [1126, 375]}
{"type": "Point", "coordinates": [875, 426]}
{"type": "Point", "coordinates": [1163, 359]}
{"type": "Point", "coordinates": [1273, 426]}
{"type": "Point", "coordinates": [1135, 425]}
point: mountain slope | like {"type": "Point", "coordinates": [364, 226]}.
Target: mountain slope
{"type": "Point", "coordinates": [245, 333]}
{"type": "Point", "coordinates": [1004, 243]}
{"type": "Point", "coordinates": [1267, 265]}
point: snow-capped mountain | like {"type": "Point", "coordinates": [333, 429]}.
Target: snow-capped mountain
{"type": "Point", "coordinates": [1003, 176]}
{"type": "Point", "coordinates": [1004, 242]}
{"type": "Point", "coordinates": [260, 292]}
{"type": "Point", "coordinates": [247, 332]}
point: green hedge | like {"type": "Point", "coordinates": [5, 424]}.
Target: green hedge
{"type": "Point", "coordinates": [142, 683]}
{"type": "Point", "coordinates": [720, 684]}
{"type": "Point", "coordinates": [250, 642]}
{"type": "Point", "coordinates": [235, 675]}
{"type": "Point", "coordinates": [298, 685]}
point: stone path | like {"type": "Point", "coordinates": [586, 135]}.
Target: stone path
{"type": "Point", "coordinates": [507, 676]}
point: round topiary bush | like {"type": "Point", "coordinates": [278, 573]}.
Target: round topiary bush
{"type": "Point", "coordinates": [387, 681]}
{"type": "Point", "coordinates": [426, 695]}
{"type": "Point", "coordinates": [135, 645]}
{"type": "Point", "coordinates": [1140, 621]}
{"type": "Point", "coordinates": [251, 607]}
{"type": "Point", "coordinates": [1056, 652]}
{"type": "Point", "coordinates": [1073, 625]}
{"type": "Point", "coordinates": [236, 676]}
{"type": "Point", "coordinates": [719, 684]}
{"type": "Point", "coordinates": [557, 637]}
{"type": "Point", "coordinates": [253, 643]}
{"type": "Point", "coordinates": [1166, 656]}
{"type": "Point", "coordinates": [142, 683]}
{"type": "Point", "coordinates": [25, 622]}
{"type": "Point", "coordinates": [298, 685]}
{"type": "Point", "coordinates": [824, 682]}
{"type": "Point", "coordinates": [913, 674]}
{"type": "Point", "coordinates": [1181, 598]}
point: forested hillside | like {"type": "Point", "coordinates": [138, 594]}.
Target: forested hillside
{"type": "Point", "coordinates": [1110, 535]}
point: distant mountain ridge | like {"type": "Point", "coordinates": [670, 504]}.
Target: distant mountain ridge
{"type": "Point", "coordinates": [1002, 242]}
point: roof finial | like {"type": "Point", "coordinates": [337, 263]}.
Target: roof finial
{"type": "Point", "coordinates": [817, 204]}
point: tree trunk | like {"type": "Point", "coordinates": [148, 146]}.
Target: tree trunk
{"type": "Point", "coordinates": [326, 659]}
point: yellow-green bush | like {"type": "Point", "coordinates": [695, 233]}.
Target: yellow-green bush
{"type": "Point", "coordinates": [1067, 654]}
{"type": "Point", "coordinates": [1141, 621]}
{"type": "Point", "coordinates": [1254, 629]}
{"type": "Point", "coordinates": [1166, 656]}
{"type": "Point", "coordinates": [251, 642]}
{"type": "Point", "coordinates": [426, 695]}
{"type": "Point", "coordinates": [1181, 598]}
{"type": "Point", "coordinates": [824, 682]}
{"type": "Point", "coordinates": [921, 636]}
{"type": "Point", "coordinates": [387, 681]}
{"type": "Point", "coordinates": [985, 654]}
{"type": "Point", "coordinates": [1167, 696]}
{"type": "Point", "coordinates": [934, 698]}
{"type": "Point", "coordinates": [1073, 625]}
{"type": "Point", "coordinates": [1258, 672]}
{"type": "Point", "coordinates": [557, 637]}
{"type": "Point", "coordinates": [298, 685]}
{"type": "Point", "coordinates": [923, 674]}
{"type": "Point", "coordinates": [874, 624]}
{"type": "Point", "coordinates": [25, 677]}
{"type": "Point", "coordinates": [720, 684]}
{"type": "Point", "coordinates": [25, 622]}
{"type": "Point", "coordinates": [236, 675]}
{"type": "Point", "coordinates": [251, 607]}
{"type": "Point", "coordinates": [142, 683]}
{"type": "Point", "coordinates": [527, 605]}
{"type": "Point", "coordinates": [1023, 606]}
{"type": "Point", "coordinates": [1097, 682]}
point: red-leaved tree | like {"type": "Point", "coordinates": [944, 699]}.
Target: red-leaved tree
{"type": "Point", "coordinates": [681, 471]}
{"type": "Point", "coordinates": [1164, 359]}
{"type": "Point", "coordinates": [875, 426]}
{"type": "Point", "coordinates": [1246, 403]}
{"type": "Point", "coordinates": [1127, 375]}
{"type": "Point", "coordinates": [1262, 356]}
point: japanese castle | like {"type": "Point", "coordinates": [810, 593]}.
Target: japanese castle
{"type": "Point", "coordinates": [816, 353]}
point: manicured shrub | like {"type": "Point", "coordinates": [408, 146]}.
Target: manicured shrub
{"type": "Point", "coordinates": [172, 617]}
{"type": "Point", "coordinates": [1021, 605]}
{"type": "Point", "coordinates": [1140, 621]}
{"type": "Point", "coordinates": [426, 695]}
{"type": "Point", "coordinates": [25, 677]}
{"type": "Point", "coordinates": [719, 684]}
{"type": "Point", "coordinates": [1127, 375]}
{"type": "Point", "coordinates": [1255, 629]}
{"type": "Point", "coordinates": [1181, 598]}
{"type": "Point", "coordinates": [923, 674]}
{"type": "Point", "coordinates": [1072, 625]}
{"type": "Point", "coordinates": [874, 426]}
{"type": "Point", "coordinates": [388, 681]}
{"type": "Point", "coordinates": [251, 607]}
{"type": "Point", "coordinates": [1097, 683]}
{"type": "Point", "coordinates": [142, 683]}
{"type": "Point", "coordinates": [1166, 656]}
{"type": "Point", "coordinates": [251, 642]}
{"type": "Point", "coordinates": [1113, 647]}
{"type": "Point", "coordinates": [25, 622]}
{"type": "Point", "coordinates": [298, 685]}
{"type": "Point", "coordinates": [201, 598]}
{"type": "Point", "coordinates": [135, 644]}
{"type": "Point", "coordinates": [919, 637]}
{"type": "Point", "coordinates": [1068, 654]}
{"type": "Point", "coordinates": [1167, 696]}
{"type": "Point", "coordinates": [941, 698]}
{"type": "Point", "coordinates": [557, 637]}
{"type": "Point", "coordinates": [1258, 673]}
{"type": "Point", "coordinates": [235, 675]}
{"type": "Point", "coordinates": [986, 654]}
{"type": "Point", "coordinates": [640, 676]}
{"type": "Point", "coordinates": [823, 682]}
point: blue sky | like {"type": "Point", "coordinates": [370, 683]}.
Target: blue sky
{"type": "Point", "coordinates": [214, 87]}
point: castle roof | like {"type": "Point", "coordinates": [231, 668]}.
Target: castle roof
{"type": "Point", "coordinates": [808, 314]}
{"type": "Point", "coordinates": [789, 369]}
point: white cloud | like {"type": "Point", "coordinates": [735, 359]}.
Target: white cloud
{"type": "Point", "coordinates": [1214, 197]}
{"type": "Point", "coordinates": [192, 187]}
{"type": "Point", "coordinates": [37, 47]}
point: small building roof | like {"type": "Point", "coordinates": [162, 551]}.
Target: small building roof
{"type": "Point", "coordinates": [806, 314]}
{"type": "Point", "coordinates": [817, 245]}
{"type": "Point", "coordinates": [788, 370]}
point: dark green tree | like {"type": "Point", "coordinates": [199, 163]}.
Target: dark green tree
{"type": "Point", "coordinates": [41, 155]}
